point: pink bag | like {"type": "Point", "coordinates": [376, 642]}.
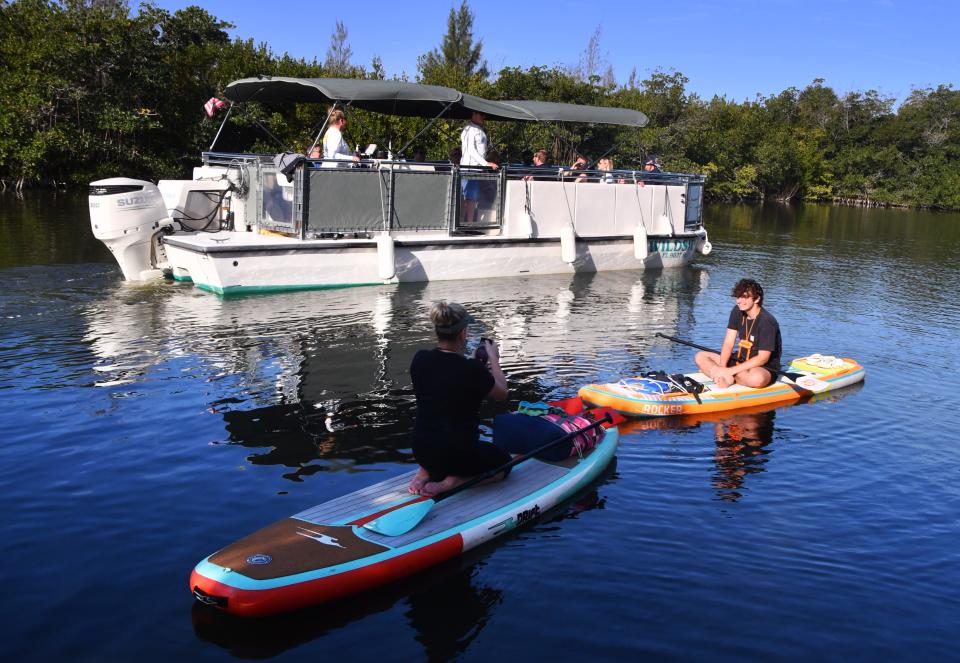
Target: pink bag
{"type": "Point", "coordinates": [570, 423]}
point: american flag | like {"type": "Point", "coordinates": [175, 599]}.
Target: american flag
{"type": "Point", "coordinates": [213, 105]}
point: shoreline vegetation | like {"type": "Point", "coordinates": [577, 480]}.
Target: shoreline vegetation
{"type": "Point", "coordinates": [94, 89]}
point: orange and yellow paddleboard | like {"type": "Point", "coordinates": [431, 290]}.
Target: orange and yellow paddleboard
{"type": "Point", "coordinates": [637, 397]}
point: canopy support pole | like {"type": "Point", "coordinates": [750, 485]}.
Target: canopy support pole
{"type": "Point", "coordinates": [222, 124]}
{"type": "Point", "coordinates": [420, 133]}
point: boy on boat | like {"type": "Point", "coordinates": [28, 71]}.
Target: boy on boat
{"type": "Point", "coordinates": [751, 349]}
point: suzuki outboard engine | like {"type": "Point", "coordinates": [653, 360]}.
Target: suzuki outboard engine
{"type": "Point", "coordinates": [128, 216]}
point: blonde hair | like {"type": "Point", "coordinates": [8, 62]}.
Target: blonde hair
{"type": "Point", "coordinates": [334, 115]}
{"type": "Point", "coordinates": [451, 318]}
{"type": "Point", "coordinates": [606, 163]}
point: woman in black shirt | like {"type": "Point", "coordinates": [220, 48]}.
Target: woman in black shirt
{"type": "Point", "coordinates": [449, 389]}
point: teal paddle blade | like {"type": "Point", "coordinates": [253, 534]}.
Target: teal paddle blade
{"type": "Point", "coordinates": [402, 520]}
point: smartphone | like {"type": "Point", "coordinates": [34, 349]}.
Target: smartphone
{"type": "Point", "coordinates": [481, 352]}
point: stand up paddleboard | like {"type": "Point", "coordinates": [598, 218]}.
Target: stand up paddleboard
{"type": "Point", "coordinates": [329, 551]}
{"type": "Point", "coordinates": [640, 397]}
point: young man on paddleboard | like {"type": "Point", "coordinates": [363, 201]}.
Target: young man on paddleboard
{"type": "Point", "coordinates": [751, 346]}
{"type": "Point", "coordinates": [449, 389]}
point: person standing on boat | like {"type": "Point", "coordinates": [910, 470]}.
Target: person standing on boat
{"type": "Point", "coordinates": [450, 388]}
{"type": "Point", "coordinates": [752, 347]}
{"type": "Point", "coordinates": [334, 146]}
{"type": "Point", "coordinates": [473, 150]}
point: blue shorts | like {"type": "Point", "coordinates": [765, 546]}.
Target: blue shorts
{"type": "Point", "coordinates": [471, 189]}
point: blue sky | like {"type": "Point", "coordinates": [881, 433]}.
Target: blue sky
{"type": "Point", "coordinates": [733, 48]}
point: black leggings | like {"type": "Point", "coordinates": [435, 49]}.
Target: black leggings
{"type": "Point", "coordinates": [441, 459]}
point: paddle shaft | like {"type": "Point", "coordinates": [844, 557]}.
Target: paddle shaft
{"type": "Point", "coordinates": [706, 349]}
{"type": "Point", "coordinates": [519, 459]}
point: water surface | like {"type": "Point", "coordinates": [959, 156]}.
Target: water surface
{"type": "Point", "coordinates": [146, 425]}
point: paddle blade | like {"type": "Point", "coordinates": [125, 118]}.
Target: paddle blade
{"type": "Point", "coordinates": [402, 520]}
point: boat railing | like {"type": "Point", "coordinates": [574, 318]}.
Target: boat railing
{"type": "Point", "coordinates": [621, 176]}
{"type": "Point", "coordinates": [342, 197]}
{"type": "Point", "coordinates": [333, 198]}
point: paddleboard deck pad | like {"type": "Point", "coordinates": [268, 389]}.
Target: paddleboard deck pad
{"type": "Point", "coordinates": [809, 375]}
{"type": "Point", "coordinates": [325, 553]}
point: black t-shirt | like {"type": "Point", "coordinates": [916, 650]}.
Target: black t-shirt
{"type": "Point", "coordinates": [449, 389]}
{"type": "Point", "coordinates": [764, 333]}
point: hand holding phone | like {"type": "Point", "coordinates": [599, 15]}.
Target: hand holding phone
{"type": "Point", "coordinates": [481, 352]}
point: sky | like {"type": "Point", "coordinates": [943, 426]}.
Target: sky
{"type": "Point", "coordinates": [733, 48]}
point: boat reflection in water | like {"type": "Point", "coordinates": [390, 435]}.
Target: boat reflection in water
{"type": "Point", "coordinates": [742, 437]}
{"type": "Point", "coordinates": [319, 380]}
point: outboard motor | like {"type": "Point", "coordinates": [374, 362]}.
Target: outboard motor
{"type": "Point", "coordinates": [127, 215]}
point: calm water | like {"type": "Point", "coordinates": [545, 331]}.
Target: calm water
{"type": "Point", "coordinates": [145, 426]}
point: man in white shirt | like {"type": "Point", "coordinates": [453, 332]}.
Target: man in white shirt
{"type": "Point", "coordinates": [473, 147]}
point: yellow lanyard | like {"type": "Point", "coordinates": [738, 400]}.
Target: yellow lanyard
{"type": "Point", "coordinates": [745, 342]}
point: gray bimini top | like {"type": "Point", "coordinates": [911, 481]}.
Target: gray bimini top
{"type": "Point", "coordinates": [412, 99]}
{"type": "Point", "coordinates": [546, 111]}
{"type": "Point", "coordinates": [381, 96]}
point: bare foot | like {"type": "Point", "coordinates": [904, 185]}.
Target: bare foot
{"type": "Point", "coordinates": [416, 484]}
{"type": "Point", "coordinates": [432, 488]}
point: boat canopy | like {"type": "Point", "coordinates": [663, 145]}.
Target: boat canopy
{"type": "Point", "coordinates": [412, 99]}
{"type": "Point", "coordinates": [381, 96]}
{"type": "Point", "coordinates": [544, 111]}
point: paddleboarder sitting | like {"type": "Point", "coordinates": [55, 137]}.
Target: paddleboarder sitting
{"type": "Point", "coordinates": [450, 388]}
{"type": "Point", "coordinates": [752, 344]}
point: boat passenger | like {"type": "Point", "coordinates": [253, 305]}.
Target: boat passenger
{"type": "Point", "coordinates": [540, 159]}
{"type": "Point", "coordinates": [755, 334]}
{"type": "Point", "coordinates": [579, 163]}
{"type": "Point", "coordinates": [650, 165]}
{"type": "Point", "coordinates": [450, 388]}
{"type": "Point", "coordinates": [334, 146]}
{"type": "Point", "coordinates": [473, 147]}
{"type": "Point", "coordinates": [606, 164]}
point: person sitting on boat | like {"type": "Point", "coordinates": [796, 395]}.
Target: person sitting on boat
{"type": "Point", "coordinates": [334, 146]}
{"type": "Point", "coordinates": [473, 148]}
{"type": "Point", "coordinates": [540, 159]}
{"type": "Point", "coordinates": [755, 334]}
{"type": "Point", "coordinates": [449, 389]}
{"type": "Point", "coordinates": [607, 177]}
{"type": "Point", "coordinates": [579, 164]}
{"type": "Point", "coordinates": [650, 165]}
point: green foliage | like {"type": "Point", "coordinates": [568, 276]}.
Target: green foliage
{"type": "Point", "coordinates": [458, 62]}
{"type": "Point", "coordinates": [92, 90]}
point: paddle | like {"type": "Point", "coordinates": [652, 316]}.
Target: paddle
{"type": "Point", "coordinates": [403, 519]}
{"type": "Point", "coordinates": [807, 382]}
